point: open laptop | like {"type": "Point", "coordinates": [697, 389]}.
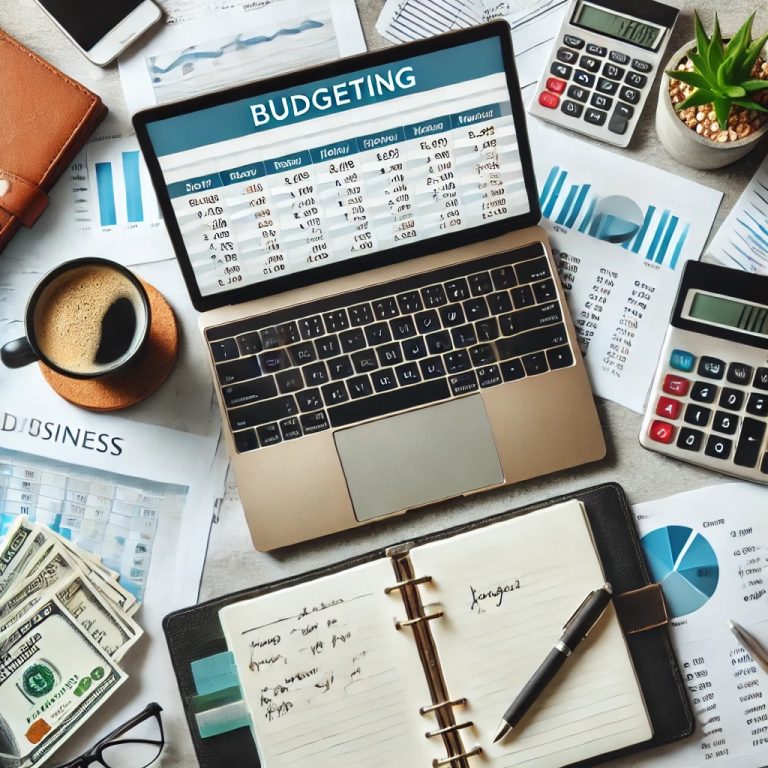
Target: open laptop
{"type": "Point", "coordinates": [385, 324]}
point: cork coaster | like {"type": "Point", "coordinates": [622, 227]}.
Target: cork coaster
{"type": "Point", "coordinates": [124, 390]}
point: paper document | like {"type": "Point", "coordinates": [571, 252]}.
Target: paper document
{"type": "Point", "coordinates": [742, 240]}
{"type": "Point", "coordinates": [709, 550]}
{"type": "Point", "coordinates": [215, 52]}
{"type": "Point", "coordinates": [621, 231]}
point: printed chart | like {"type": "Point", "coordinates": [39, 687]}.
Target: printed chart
{"type": "Point", "coordinates": [684, 563]}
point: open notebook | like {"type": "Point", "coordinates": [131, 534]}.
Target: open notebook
{"type": "Point", "coordinates": [330, 679]}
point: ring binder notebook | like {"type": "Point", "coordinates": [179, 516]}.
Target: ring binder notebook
{"type": "Point", "coordinates": [325, 676]}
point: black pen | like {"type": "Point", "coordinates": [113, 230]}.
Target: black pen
{"type": "Point", "coordinates": [575, 630]}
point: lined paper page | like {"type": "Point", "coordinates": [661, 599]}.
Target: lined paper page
{"type": "Point", "coordinates": [507, 590]}
{"type": "Point", "coordinates": [327, 677]}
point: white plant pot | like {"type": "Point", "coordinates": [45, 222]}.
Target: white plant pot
{"type": "Point", "coordinates": [684, 144]}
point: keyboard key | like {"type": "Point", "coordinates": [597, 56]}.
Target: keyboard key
{"type": "Point", "coordinates": [750, 440]}
{"type": "Point", "coordinates": [457, 290]}
{"type": "Point", "coordinates": [589, 64]}
{"type": "Point", "coordinates": [578, 93]}
{"type": "Point", "coordinates": [566, 55]}
{"type": "Point", "coordinates": [457, 361]}
{"type": "Point", "coordinates": [464, 336]}
{"type": "Point", "coordinates": [480, 284]}
{"type": "Point", "coordinates": [563, 71]}
{"type": "Point", "coordinates": [609, 87]}
{"type": "Point", "coordinates": [452, 315]}
{"type": "Point", "coordinates": [402, 328]}
{"type": "Point", "coordinates": [661, 432]}
{"type": "Point", "coordinates": [681, 360]}
{"type": "Point", "coordinates": [428, 321]}
{"type": "Point", "coordinates": [291, 428]}
{"type": "Point", "coordinates": [595, 116]}
{"type": "Point", "coordinates": [522, 296]}
{"type": "Point", "coordinates": [378, 333]}
{"type": "Point", "coordinates": [246, 440]}
{"type": "Point", "coordinates": [383, 380]}
{"type": "Point", "coordinates": [439, 342]}
{"type": "Point", "coordinates": [408, 374]}
{"type": "Point", "coordinates": [535, 269]}
{"type": "Point", "coordinates": [476, 309]}
{"type": "Point", "coordinates": [761, 379]}
{"type": "Point", "coordinates": [273, 360]}
{"type": "Point", "coordinates": [739, 373]}
{"type": "Point", "coordinates": [532, 341]}
{"type": "Point", "coordinates": [226, 349]}
{"type": "Point", "coordinates": [489, 376]}
{"type": "Point", "coordinates": [432, 367]}
{"type": "Point", "coordinates": [361, 314]}
{"type": "Point", "coordinates": [641, 66]}
{"type": "Point", "coordinates": [487, 330]}
{"type": "Point", "coordinates": [732, 399]}
{"type": "Point", "coordinates": [668, 407]}
{"type": "Point", "coordinates": [697, 415]}
{"type": "Point", "coordinates": [249, 343]}
{"type": "Point", "coordinates": [635, 80]}
{"type": "Point", "coordinates": [690, 439]}
{"type": "Point", "coordinates": [618, 57]}
{"type": "Point", "coordinates": [757, 404]}
{"type": "Point", "coordinates": [676, 385]}
{"type": "Point", "coordinates": [711, 367]}
{"type": "Point", "coordinates": [601, 101]}
{"type": "Point", "coordinates": [414, 348]}
{"type": "Point", "coordinates": [764, 464]}
{"type": "Point", "coordinates": [389, 402]}
{"type": "Point", "coordinates": [311, 327]}
{"type": "Point", "coordinates": [327, 346]}
{"type": "Point", "coordinates": [560, 357]}
{"type": "Point", "coordinates": [289, 381]}
{"type": "Point", "coordinates": [596, 50]}
{"type": "Point", "coordinates": [580, 77]}
{"type": "Point", "coordinates": [544, 291]}
{"type": "Point", "coordinates": [309, 400]}
{"type": "Point", "coordinates": [703, 392]}
{"type": "Point", "coordinates": [336, 321]}
{"type": "Point", "coordinates": [503, 277]}
{"type": "Point", "coordinates": [434, 296]}
{"type": "Point", "coordinates": [269, 339]}
{"type": "Point", "coordinates": [315, 374]}
{"type": "Point", "coordinates": [500, 302]}
{"type": "Point", "coordinates": [482, 354]}
{"type": "Point", "coordinates": [359, 386]}
{"type": "Point", "coordinates": [725, 422]}
{"type": "Point", "coordinates": [389, 354]}
{"type": "Point", "coordinates": [512, 370]}
{"type": "Point", "coordinates": [287, 333]}
{"type": "Point", "coordinates": [269, 434]}
{"type": "Point", "coordinates": [340, 367]}
{"type": "Point", "coordinates": [630, 95]}
{"type": "Point", "coordinates": [613, 72]}
{"type": "Point", "coordinates": [718, 447]}
{"type": "Point", "coordinates": [335, 393]}
{"type": "Point", "coordinates": [249, 392]}
{"type": "Point", "coordinates": [573, 42]}
{"type": "Point", "coordinates": [463, 383]}
{"type": "Point", "coordinates": [238, 370]}
{"type": "Point", "coordinates": [314, 422]}
{"type": "Point", "coordinates": [261, 413]}
{"type": "Point", "coordinates": [535, 364]}
{"type": "Point", "coordinates": [410, 302]}
{"type": "Point", "coordinates": [352, 340]}
{"type": "Point", "coordinates": [302, 353]}
{"type": "Point", "coordinates": [385, 309]}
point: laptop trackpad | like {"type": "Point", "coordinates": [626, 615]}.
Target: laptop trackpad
{"type": "Point", "coordinates": [418, 457]}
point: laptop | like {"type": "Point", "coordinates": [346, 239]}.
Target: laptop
{"type": "Point", "coordinates": [383, 316]}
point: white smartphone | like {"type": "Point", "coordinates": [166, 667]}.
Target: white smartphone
{"type": "Point", "coordinates": [102, 29]}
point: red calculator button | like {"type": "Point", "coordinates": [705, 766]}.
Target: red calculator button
{"type": "Point", "coordinates": [550, 100]}
{"type": "Point", "coordinates": [555, 85]}
{"type": "Point", "coordinates": [676, 385]}
{"type": "Point", "coordinates": [661, 432]}
{"type": "Point", "coordinates": [668, 407]}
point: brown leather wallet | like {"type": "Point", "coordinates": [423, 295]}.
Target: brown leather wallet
{"type": "Point", "coordinates": [45, 119]}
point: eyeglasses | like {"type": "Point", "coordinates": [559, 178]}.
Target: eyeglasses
{"type": "Point", "coordinates": [135, 744]}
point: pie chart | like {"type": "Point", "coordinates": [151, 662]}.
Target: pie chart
{"type": "Point", "coordinates": [684, 563]}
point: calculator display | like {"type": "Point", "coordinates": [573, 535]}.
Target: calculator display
{"type": "Point", "coordinates": [618, 26]}
{"type": "Point", "coordinates": [729, 312]}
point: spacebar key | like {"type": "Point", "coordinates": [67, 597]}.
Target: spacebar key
{"type": "Point", "coordinates": [389, 402]}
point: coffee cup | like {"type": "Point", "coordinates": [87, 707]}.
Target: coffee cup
{"type": "Point", "coordinates": [86, 319]}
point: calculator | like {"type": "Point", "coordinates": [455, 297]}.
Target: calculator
{"type": "Point", "coordinates": [604, 60]}
{"type": "Point", "coordinates": [709, 400]}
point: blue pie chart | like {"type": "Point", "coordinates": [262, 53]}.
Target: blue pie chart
{"type": "Point", "coordinates": [684, 563]}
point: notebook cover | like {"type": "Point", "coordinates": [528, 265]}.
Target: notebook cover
{"type": "Point", "coordinates": [194, 633]}
{"type": "Point", "coordinates": [45, 120]}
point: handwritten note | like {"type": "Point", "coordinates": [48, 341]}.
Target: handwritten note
{"type": "Point", "coordinates": [328, 678]}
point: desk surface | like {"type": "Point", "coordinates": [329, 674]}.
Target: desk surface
{"type": "Point", "coordinates": [232, 563]}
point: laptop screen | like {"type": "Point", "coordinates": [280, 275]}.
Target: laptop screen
{"type": "Point", "coordinates": [266, 187]}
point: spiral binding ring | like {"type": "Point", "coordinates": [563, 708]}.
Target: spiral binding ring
{"type": "Point", "coordinates": [406, 582]}
{"type": "Point", "coordinates": [449, 729]}
{"type": "Point", "coordinates": [409, 622]}
{"type": "Point", "coordinates": [448, 760]}
{"type": "Point", "coordinates": [441, 704]}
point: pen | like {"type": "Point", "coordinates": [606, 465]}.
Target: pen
{"type": "Point", "coordinates": [756, 651]}
{"type": "Point", "coordinates": [575, 630]}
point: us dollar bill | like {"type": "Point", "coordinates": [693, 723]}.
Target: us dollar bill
{"type": "Point", "coordinates": [21, 544]}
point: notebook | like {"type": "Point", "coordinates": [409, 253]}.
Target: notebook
{"type": "Point", "coordinates": [384, 322]}
{"type": "Point", "coordinates": [411, 655]}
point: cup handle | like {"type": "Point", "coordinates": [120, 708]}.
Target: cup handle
{"type": "Point", "coordinates": [17, 353]}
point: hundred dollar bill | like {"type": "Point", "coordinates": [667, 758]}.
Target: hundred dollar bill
{"type": "Point", "coordinates": [21, 544]}
{"type": "Point", "coordinates": [52, 677]}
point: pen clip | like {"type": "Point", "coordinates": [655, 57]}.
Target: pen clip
{"type": "Point", "coordinates": [578, 610]}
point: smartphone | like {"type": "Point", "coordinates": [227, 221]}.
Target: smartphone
{"type": "Point", "coordinates": [102, 29]}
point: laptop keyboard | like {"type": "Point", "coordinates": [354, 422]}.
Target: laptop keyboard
{"type": "Point", "coordinates": [388, 348]}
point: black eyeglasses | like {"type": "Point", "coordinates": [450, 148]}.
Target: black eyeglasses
{"type": "Point", "coordinates": [135, 744]}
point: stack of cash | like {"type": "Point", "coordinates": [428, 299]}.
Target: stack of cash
{"type": "Point", "coordinates": [65, 623]}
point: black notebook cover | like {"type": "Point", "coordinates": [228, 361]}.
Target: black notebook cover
{"type": "Point", "coordinates": [194, 633]}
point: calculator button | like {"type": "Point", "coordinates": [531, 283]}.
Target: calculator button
{"type": "Point", "coordinates": [732, 399]}
{"type": "Point", "coordinates": [618, 57]}
{"type": "Point", "coordinates": [566, 55]}
{"type": "Point", "coordinates": [718, 447]}
{"type": "Point", "coordinates": [668, 407]}
{"type": "Point", "coordinates": [600, 101]}
{"type": "Point", "coordinates": [761, 379]}
{"type": "Point", "coordinates": [630, 95]}
{"type": "Point", "coordinates": [725, 422]}
{"type": "Point", "coordinates": [607, 86]}
{"type": "Point", "coordinates": [676, 385]}
{"type": "Point", "coordinates": [690, 439]}
{"type": "Point", "coordinates": [750, 440]}
{"type": "Point", "coordinates": [613, 72]}
{"type": "Point", "coordinates": [583, 78]}
{"type": "Point", "coordinates": [757, 404]}
{"type": "Point", "coordinates": [588, 63]}
{"type": "Point", "coordinates": [635, 80]}
{"type": "Point", "coordinates": [624, 110]}
{"type": "Point", "coordinates": [681, 360]}
{"type": "Point", "coordinates": [563, 71]}
{"type": "Point", "coordinates": [703, 392]}
{"type": "Point", "coordinates": [596, 50]}
{"type": "Point", "coordinates": [580, 94]}
{"type": "Point", "coordinates": [572, 108]}
{"type": "Point", "coordinates": [573, 42]}
{"type": "Point", "coordinates": [696, 414]}
{"type": "Point", "coordinates": [711, 368]}
{"type": "Point", "coordinates": [549, 100]}
{"type": "Point", "coordinates": [554, 85]}
{"type": "Point", "coordinates": [641, 66]}
{"type": "Point", "coordinates": [739, 373]}
{"type": "Point", "coordinates": [661, 432]}
{"type": "Point", "coordinates": [618, 124]}
{"type": "Point", "coordinates": [595, 116]}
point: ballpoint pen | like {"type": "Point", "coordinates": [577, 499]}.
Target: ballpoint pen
{"type": "Point", "coordinates": [575, 630]}
{"type": "Point", "coordinates": [756, 651]}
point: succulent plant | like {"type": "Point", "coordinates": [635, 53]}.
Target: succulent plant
{"type": "Point", "coordinates": [721, 73]}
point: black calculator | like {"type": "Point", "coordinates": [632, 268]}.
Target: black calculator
{"type": "Point", "coordinates": [709, 401]}
{"type": "Point", "coordinates": [603, 63]}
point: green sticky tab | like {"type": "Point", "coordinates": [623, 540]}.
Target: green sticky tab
{"type": "Point", "coordinates": [214, 722]}
{"type": "Point", "coordinates": [214, 673]}
{"type": "Point", "coordinates": [215, 700]}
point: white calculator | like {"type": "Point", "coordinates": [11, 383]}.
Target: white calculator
{"type": "Point", "coordinates": [604, 60]}
{"type": "Point", "coordinates": [709, 401]}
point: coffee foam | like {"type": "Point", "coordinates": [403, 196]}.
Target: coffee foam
{"type": "Point", "coordinates": [69, 315]}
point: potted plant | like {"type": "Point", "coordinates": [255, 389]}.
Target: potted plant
{"type": "Point", "coordinates": [713, 100]}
